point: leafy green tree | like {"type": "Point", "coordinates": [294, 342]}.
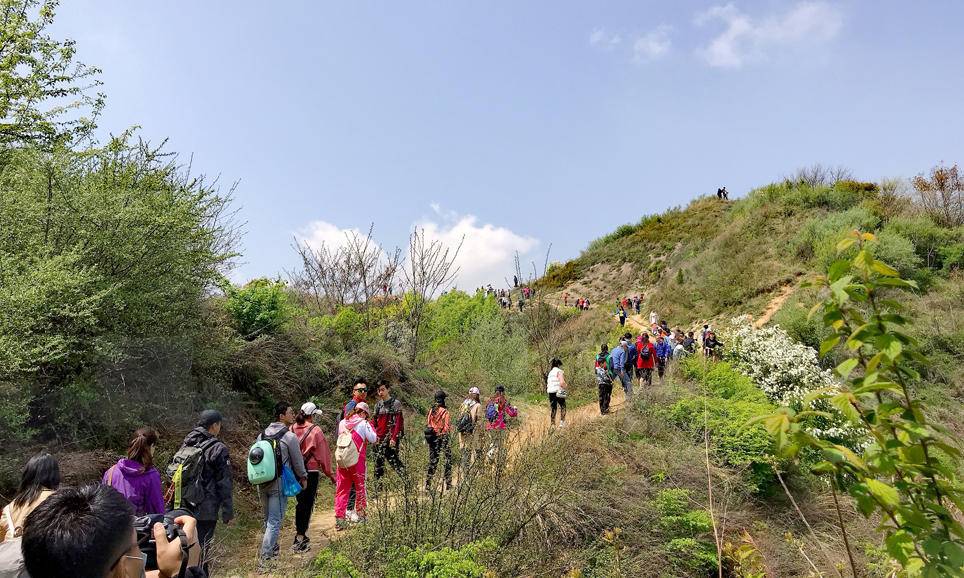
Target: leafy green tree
{"type": "Point", "coordinates": [260, 307]}
{"type": "Point", "coordinates": [44, 93]}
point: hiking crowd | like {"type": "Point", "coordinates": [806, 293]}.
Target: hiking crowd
{"type": "Point", "coordinates": [581, 303]}
{"type": "Point", "coordinates": [127, 526]}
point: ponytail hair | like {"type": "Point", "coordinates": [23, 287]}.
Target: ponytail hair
{"type": "Point", "coordinates": [140, 448]}
{"type": "Point", "coordinates": [301, 417]}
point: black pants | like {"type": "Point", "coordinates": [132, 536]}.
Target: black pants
{"type": "Point", "coordinates": [205, 533]}
{"type": "Point", "coordinates": [436, 446]}
{"type": "Point", "coordinates": [647, 375]}
{"type": "Point", "coordinates": [554, 402]}
{"type": "Point", "coordinates": [660, 367]}
{"type": "Point", "coordinates": [605, 395]}
{"type": "Point", "coordinates": [384, 452]}
{"type": "Point", "coordinates": [306, 502]}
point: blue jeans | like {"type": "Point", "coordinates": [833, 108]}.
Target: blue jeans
{"type": "Point", "coordinates": [273, 503]}
{"type": "Point", "coordinates": [627, 381]}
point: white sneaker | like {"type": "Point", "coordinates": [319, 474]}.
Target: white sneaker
{"type": "Point", "coordinates": [562, 423]}
{"type": "Point", "coordinates": [352, 517]}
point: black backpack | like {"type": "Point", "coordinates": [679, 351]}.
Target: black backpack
{"type": "Point", "coordinates": [645, 352]}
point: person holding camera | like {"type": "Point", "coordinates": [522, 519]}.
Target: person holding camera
{"type": "Point", "coordinates": [89, 532]}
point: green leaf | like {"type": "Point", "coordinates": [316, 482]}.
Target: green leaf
{"type": "Point", "coordinates": [828, 344]}
{"type": "Point", "coordinates": [885, 269]}
{"type": "Point", "coordinates": [845, 244]}
{"type": "Point", "coordinates": [885, 493]}
{"type": "Point", "coordinates": [843, 403]}
{"type": "Point", "coordinates": [846, 367]}
{"type": "Point", "coordinates": [838, 269]}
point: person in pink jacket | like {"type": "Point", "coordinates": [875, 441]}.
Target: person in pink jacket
{"type": "Point", "coordinates": [317, 454]}
{"type": "Point", "coordinates": [496, 427]}
{"type": "Point", "coordinates": [362, 434]}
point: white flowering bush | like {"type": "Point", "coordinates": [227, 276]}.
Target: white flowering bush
{"type": "Point", "coordinates": [786, 370]}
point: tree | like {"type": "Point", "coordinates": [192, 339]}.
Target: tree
{"type": "Point", "coordinates": [356, 273]}
{"type": "Point", "coordinates": [941, 195]}
{"type": "Point", "coordinates": [44, 93]}
{"type": "Point", "coordinates": [431, 266]}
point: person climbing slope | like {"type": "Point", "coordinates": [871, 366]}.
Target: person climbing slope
{"type": "Point", "coordinates": [604, 379]}
{"type": "Point", "coordinates": [497, 410]}
{"type": "Point", "coordinates": [317, 455]}
{"type": "Point", "coordinates": [354, 435]}
{"type": "Point", "coordinates": [556, 388]}
{"type": "Point", "coordinates": [664, 351]}
{"type": "Point", "coordinates": [437, 428]}
{"type": "Point", "coordinates": [646, 359]}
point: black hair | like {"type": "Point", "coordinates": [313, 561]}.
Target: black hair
{"type": "Point", "coordinates": [385, 383]}
{"type": "Point", "coordinates": [362, 381]}
{"type": "Point", "coordinates": [280, 408]}
{"type": "Point", "coordinates": [301, 417]}
{"type": "Point", "coordinates": [42, 472]}
{"type": "Point", "coordinates": [78, 532]}
{"type": "Point", "coordinates": [604, 348]}
{"type": "Point", "coordinates": [556, 362]}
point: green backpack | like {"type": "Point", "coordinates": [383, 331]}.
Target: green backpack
{"type": "Point", "coordinates": [264, 458]}
{"type": "Point", "coordinates": [185, 472]}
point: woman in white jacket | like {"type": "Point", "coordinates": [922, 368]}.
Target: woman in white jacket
{"type": "Point", "coordinates": [556, 388]}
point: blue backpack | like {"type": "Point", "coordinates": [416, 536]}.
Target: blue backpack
{"type": "Point", "coordinates": [491, 412]}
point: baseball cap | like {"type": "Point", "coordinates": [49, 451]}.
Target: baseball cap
{"type": "Point", "coordinates": [362, 406]}
{"type": "Point", "coordinates": [474, 390]}
{"type": "Point", "coordinates": [310, 408]}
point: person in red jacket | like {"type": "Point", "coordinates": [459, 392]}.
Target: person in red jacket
{"type": "Point", "coordinates": [317, 454]}
{"type": "Point", "coordinates": [389, 428]}
{"type": "Point", "coordinates": [645, 359]}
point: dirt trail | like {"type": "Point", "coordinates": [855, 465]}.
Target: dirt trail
{"type": "Point", "coordinates": [321, 530]}
{"type": "Point", "coordinates": [774, 305]}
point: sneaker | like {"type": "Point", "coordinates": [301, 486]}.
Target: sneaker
{"type": "Point", "coordinates": [562, 423]}
{"type": "Point", "coordinates": [302, 545]}
{"type": "Point", "coordinates": [352, 517]}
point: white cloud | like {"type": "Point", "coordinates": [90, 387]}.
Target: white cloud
{"type": "Point", "coordinates": [487, 251]}
{"type": "Point", "coordinates": [654, 44]}
{"type": "Point", "coordinates": [745, 39]}
{"type": "Point", "coordinates": [603, 40]}
{"type": "Point", "coordinates": [486, 255]}
{"type": "Point", "coordinates": [319, 233]}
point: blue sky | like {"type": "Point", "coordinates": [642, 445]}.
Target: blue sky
{"type": "Point", "coordinates": [518, 124]}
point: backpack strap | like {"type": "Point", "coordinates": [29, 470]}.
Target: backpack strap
{"type": "Point", "coordinates": [305, 435]}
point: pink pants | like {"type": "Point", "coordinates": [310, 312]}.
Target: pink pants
{"type": "Point", "coordinates": [345, 478]}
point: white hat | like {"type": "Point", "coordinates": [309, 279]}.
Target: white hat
{"type": "Point", "coordinates": [474, 390]}
{"type": "Point", "coordinates": [310, 409]}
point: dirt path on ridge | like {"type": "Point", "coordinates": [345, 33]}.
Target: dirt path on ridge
{"type": "Point", "coordinates": [774, 305]}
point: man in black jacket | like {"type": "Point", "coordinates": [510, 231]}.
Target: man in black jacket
{"type": "Point", "coordinates": [215, 479]}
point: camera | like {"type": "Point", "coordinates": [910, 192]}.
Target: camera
{"type": "Point", "coordinates": [144, 526]}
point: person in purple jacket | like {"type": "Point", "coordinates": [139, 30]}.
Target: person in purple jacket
{"type": "Point", "coordinates": [135, 476]}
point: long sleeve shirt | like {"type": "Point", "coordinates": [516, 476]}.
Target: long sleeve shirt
{"type": "Point", "coordinates": [618, 355]}
{"type": "Point", "coordinates": [664, 349]}
{"type": "Point", "coordinates": [314, 448]}
{"type": "Point", "coordinates": [389, 421]}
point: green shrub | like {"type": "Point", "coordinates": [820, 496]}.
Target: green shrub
{"type": "Point", "coordinates": [952, 257]}
{"type": "Point", "coordinates": [260, 307]}
{"type": "Point", "coordinates": [691, 523]}
{"type": "Point", "coordinates": [347, 325]}
{"type": "Point", "coordinates": [928, 238]}
{"type": "Point", "coordinates": [695, 556]}
{"type": "Point", "coordinates": [329, 564]}
{"type": "Point", "coordinates": [425, 562]}
{"type": "Point", "coordinates": [672, 502]}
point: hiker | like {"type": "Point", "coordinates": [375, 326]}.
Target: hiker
{"type": "Point", "coordinates": [646, 360]}
{"type": "Point", "coordinates": [653, 318]}
{"type": "Point", "coordinates": [631, 353]}
{"type": "Point", "coordinates": [604, 379]}
{"type": "Point", "coordinates": [637, 304]}
{"type": "Point", "coordinates": [317, 455]}
{"type": "Point", "coordinates": [711, 345]}
{"type": "Point", "coordinates": [515, 280]}
{"type": "Point", "coordinates": [389, 429]}
{"type": "Point", "coordinates": [706, 329]}
{"type": "Point", "coordinates": [359, 393]}
{"type": "Point", "coordinates": [212, 479]}
{"type": "Point", "coordinates": [565, 299]}
{"type": "Point", "coordinates": [437, 427]}
{"type": "Point", "coordinates": [40, 478]}
{"type": "Point", "coordinates": [470, 429]}
{"type": "Point", "coordinates": [725, 193]}
{"type": "Point", "coordinates": [273, 500]}
{"type": "Point", "coordinates": [353, 432]}
{"type": "Point", "coordinates": [556, 388]}
{"type": "Point", "coordinates": [622, 316]}
{"type": "Point", "coordinates": [497, 409]}
{"type": "Point", "coordinates": [664, 352]}
{"type": "Point", "coordinates": [618, 356]}
{"type": "Point", "coordinates": [135, 476]}
{"type": "Point", "coordinates": [719, 193]}
{"type": "Point", "coordinates": [689, 343]}
{"type": "Point", "coordinates": [89, 531]}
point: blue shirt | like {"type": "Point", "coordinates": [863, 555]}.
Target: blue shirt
{"type": "Point", "coordinates": [664, 349]}
{"type": "Point", "coordinates": [618, 355]}
{"type": "Point", "coordinates": [632, 355]}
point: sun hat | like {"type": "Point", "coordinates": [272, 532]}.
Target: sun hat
{"type": "Point", "coordinates": [363, 407]}
{"type": "Point", "coordinates": [310, 408]}
{"type": "Point", "coordinates": [474, 390]}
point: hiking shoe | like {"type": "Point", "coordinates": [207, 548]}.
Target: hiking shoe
{"type": "Point", "coordinates": [301, 545]}
{"type": "Point", "coordinates": [562, 423]}
{"type": "Point", "coordinates": [352, 517]}
{"type": "Point", "coordinates": [340, 524]}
